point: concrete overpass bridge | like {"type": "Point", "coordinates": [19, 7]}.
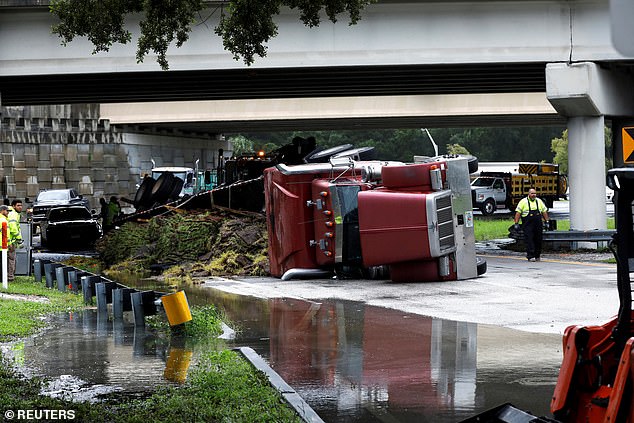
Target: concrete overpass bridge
{"type": "Point", "coordinates": [407, 63]}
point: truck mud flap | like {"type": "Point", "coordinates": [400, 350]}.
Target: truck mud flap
{"type": "Point", "coordinates": [507, 413]}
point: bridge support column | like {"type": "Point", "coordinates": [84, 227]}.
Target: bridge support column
{"type": "Point", "coordinates": [585, 93]}
{"type": "Point", "coordinates": [586, 172]}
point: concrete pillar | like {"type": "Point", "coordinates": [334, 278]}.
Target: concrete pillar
{"type": "Point", "coordinates": [585, 93]}
{"type": "Point", "coordinates": [586, 171]}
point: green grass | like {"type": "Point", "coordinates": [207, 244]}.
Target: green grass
{"type": "Point", "coordinates": [486, 229]}
{"type": "Point", "coordinates": [223, 387]}
{"type": "Point", "coordinates": [22, 318]}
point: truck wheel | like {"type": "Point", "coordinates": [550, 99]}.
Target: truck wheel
{"type": "Point", "coordinates": [162, 187]}
{"type": "Point", "coordinates": [472, 164]}
{"type": "Point", "coordinates": [377, 272]}
{"type": "Point", "coordinates": [144, 192]}
{"type": "Point", "coordinates": [481, 266]}
{"type": "Point", "coordinates": [177, 187]}
{"type": "Point", "coordinates": [488, 207]}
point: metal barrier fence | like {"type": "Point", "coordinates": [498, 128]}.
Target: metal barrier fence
{"type": "Point", "coordinates": [598, 235]}
{"type": "Point", "coordinates": [105, 291]}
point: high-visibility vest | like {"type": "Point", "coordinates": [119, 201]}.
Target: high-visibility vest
{"type": "Point", "coordinates": [15, 234]}
{"type": "Point", "coordinates": [523, 206]}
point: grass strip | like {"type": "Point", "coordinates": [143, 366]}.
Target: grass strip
{"type": "Point", "coordinates": [19, 318]}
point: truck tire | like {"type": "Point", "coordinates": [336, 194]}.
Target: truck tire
{"type": "Point", "coordinates": [481, 266]}
{"type": "Point", "coordinates": [472, 164]}
{"type": "Point", "coordinates": [144, 193]}
{"type": "Point", "coordinates": [162, 188]}
{"type": "Point", "coordinates": [488, 207]}
{"type": "Point", "coordinates": [177, 187]}
{"type": "Point", "coordinates": [377, 272]}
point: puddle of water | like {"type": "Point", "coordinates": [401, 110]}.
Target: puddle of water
{"type": "Point", "coordinates": [353, 362]}
{"type": "Point", "coordinates": [349, 361]}
{"type": "Point", "coordinates": [84, 355]}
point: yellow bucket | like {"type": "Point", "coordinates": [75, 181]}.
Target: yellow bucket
{"type": "Point", "coordinates": [177, 364]}
{"type": "Point", "coordinates": [176, 308]}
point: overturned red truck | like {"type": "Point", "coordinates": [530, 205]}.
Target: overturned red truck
{"type": "Point", "coordinates": [413, 221]}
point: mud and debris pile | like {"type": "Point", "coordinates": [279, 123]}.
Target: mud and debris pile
{"type": "Point", "coordinates": [209, 242]}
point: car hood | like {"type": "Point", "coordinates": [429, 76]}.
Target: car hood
{"type": "Point", "coordinates": [51, 202]}
{"type": "Point", "coordinates": [70, 222]}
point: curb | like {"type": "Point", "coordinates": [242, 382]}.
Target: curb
{"type": "Point", "coordinates": [293, 398]}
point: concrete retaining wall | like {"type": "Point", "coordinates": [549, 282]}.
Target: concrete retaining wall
{"type": "Point", "coordinates": [53, 147]}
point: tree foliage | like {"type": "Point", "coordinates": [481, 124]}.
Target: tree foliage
{"type": "Point", "coordinates": [503, 144]}
{"type": "Point", "coordinates": [487, 144]}
{"type": "Point", "coordinates": [245, 25]}
{"type": "Point", "coordinates": [241, 145]}
{"type": "Point", "coordinates": [457, 149]}
{"type": "Point", "coordinates": [559, 146]}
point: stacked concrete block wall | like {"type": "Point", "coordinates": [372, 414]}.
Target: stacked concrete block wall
{"type": "Point", "coordinates": [53, 147]}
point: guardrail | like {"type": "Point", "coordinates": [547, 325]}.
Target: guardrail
{"type": "Point", "coordinates": [597, 235]}
{"type": "Point", "coordinates": [122, 298]}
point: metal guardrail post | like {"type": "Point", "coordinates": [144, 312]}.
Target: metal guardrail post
{"type": "Point", "coordinates": [117, 304]}
{"type": "Point", "coordinates": [72, 279]}
{"type": "Point", "coordinates": [100, 293]}
{"type": "Point", "coordinates": [85, 288]}
{"type": "Point", "coordinates": [88, 287]}
{"type": "Point", "coordinates": [49, 273]}
{"type": "Point", "coordinates": [37, 270]}
{"type": "Point", "coordinates": [103, 290]}
{"type": "Point", "coordinates": [78, 275]}
{"type": "Point", "coordinates": [61, 275]}
{"type": "Point", "coordinates": [143, 305]}
{"type": "Point", "coordinates": [137, 308]}
{"type": "Point", "coordinates": [121, 301]}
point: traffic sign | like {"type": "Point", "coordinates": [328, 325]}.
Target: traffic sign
{"type": "Point", "coordinates": [627, 141]}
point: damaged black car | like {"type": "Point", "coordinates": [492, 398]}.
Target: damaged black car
{"type": "Point", "coordinates": [69, 227]}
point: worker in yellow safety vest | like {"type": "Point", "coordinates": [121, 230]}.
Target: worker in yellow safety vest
{"type": "Point", "coordinates": [532, 209]}
{"type": "Point", "coordinates": [15, 236]}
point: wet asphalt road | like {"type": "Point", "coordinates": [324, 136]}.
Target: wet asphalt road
{"type": "Point", "coordinates": [542, 297]}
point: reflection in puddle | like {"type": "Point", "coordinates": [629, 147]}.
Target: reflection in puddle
{"type": "Point", "coordinates": [353, 362]}
{"type": "Point", "coordinates": [85, 348]}
{"type": "Point", "coordinates": [348, 360]}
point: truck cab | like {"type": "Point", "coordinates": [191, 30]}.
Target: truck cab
{"type": "Point", "coordinates": [487, 193]}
